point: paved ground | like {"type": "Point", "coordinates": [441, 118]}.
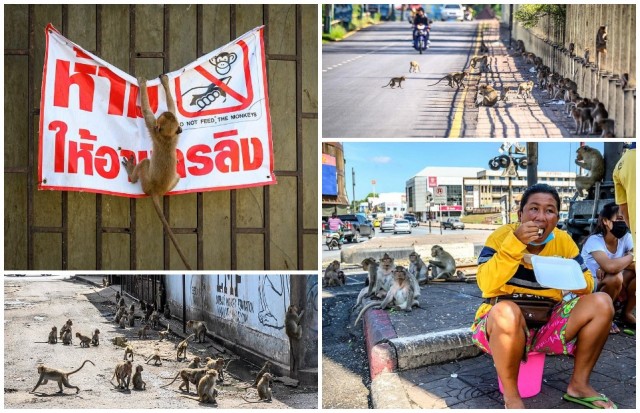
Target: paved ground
{"type": "Point", "coordinates": [355, 105]}
{"type": "Point", "coordinates": [33, 306]}
{"type": "Point", "coordinates": [406, 353]}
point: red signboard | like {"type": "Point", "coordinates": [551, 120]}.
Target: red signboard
{"type": "Point", "coordinates": [450, 208]}
{"type": "Point", "coordinates": [433, 181]}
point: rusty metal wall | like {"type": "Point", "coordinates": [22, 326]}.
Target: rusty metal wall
{"type": "Point", "coordinates": [250, 229]}
{"type": "Point", "coordinates": [602, 79]}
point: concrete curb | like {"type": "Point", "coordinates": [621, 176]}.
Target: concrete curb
{"type": "Point", "coordinates": [356, 256]}
{"type": "Point", "coordinates": [378, 330]}
{"type": "Point", "coordinates": [387, 392]}
{"type": "Point", "coordinates": [434, 348]}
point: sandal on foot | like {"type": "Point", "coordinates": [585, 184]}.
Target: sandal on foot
{"type": "Point", "coordinates": [588, 401]}
{"type": "Point", "coordinates": [614, 329]}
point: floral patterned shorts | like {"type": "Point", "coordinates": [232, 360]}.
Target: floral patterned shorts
{"type": "Point", "coordinates": [548, 339]}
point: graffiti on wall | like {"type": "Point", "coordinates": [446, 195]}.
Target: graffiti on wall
{"type": "Point", "coordinates": [256, 301]}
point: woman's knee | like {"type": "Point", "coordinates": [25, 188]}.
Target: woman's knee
{"type": "Point", "coordinates": [613, 281]}
{"type": "Point", "coordinates": [506, 317]}
{"type": "Point", "coordinates": [598, 303]}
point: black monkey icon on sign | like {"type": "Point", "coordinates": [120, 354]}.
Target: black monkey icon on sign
{"type": "Point", "coordinates": [223, 62]}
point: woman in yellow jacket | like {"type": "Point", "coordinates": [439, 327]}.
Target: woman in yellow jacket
{"type": "Point", "coordinates": [578, 325]}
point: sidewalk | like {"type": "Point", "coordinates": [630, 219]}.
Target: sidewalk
{"type": "Point", "coordinates": [425, 359]}
{"type": "Point", "coordinates": [518, 118]}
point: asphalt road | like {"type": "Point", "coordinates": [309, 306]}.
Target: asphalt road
{"type": "Point", "coordinates": [355, 105]}
{"type": "Point", "coordinates": [385, 237]}
{"type": "Point", "coordinates": [345, 368]}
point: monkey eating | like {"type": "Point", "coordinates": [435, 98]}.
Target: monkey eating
{"type": "Point", "coordinates": [158, 174]}
{"type": "Point", "coordinates": [122, 374]}
{"type": "Point", "coordinates": [395, 80]}
{"type": "Point", "coordinates": [400, 295]}
{"type": "Point", "coordinates": [49, 373]}
{"type": "Point", "coordinates": [591, 160]}
{"type": "Point", "coordinates": [455, 77]}
{"type": "Point", "coordinates": [199, 328]}
{"type": "Point", "coordinates": [138, 383]}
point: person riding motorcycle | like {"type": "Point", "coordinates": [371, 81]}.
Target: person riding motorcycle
{"type": "Point", "coordinates": [420, 18]}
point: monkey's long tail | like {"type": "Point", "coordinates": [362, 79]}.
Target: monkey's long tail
{"type": "Point", "coordinates": [365, 308]}
{"type": "Point", "coordinates": [360, 297]}
{"type": "Point", "coordinates": [79, 368]}
{"type": "Point", "coordinates": [156, 204]}
{"type": "Point", "coordinates": [438, 81]}
{"type": "Point", "coordinates": [174, 379]}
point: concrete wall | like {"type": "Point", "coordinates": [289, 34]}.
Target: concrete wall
{"type": "Point", "coordinates": [249, 310]}
{"type": "Point", "coordinates": [602, 79]}
{"type": "Point", "coordinates": [51, 230]}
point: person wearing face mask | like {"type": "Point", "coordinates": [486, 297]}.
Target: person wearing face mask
{"type": "Point", "coordinates": [578, 326]}
{"type": "Point", "coordinates": [608, 253]}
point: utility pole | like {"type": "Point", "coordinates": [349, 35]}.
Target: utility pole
{"type": "Point", "coordinates": [353, 191]}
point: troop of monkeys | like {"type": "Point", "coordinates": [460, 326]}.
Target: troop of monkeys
{"type": "Point", "coordinates": [204, 378]}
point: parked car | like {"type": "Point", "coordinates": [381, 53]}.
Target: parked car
{"type": "Point", "coordinates": [452, 11]}
{"type": "Point", "coordinates": [452, 223]}
{"type": "Point", "coordinates": [356, 226]}
{"type": "Point", "coordinates": [387, 224]}
{"type": "Point", "coordinates": [412, 220]}
{"type": "Point", "coordinates": [401, 225]}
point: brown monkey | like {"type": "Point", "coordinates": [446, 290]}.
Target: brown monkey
{"type": "Point", "coordinates": [581, 115]}
{"type": "Point", "coordinates": [624, 80]}
{"type": "Point", "coordinates": [483, 46]}
{"type": "Point", "coordinates": [167, 312]}
{"type": "Point", "coordinates": [487, 96]}
{"type": "Point", "coordinates": [418, 268]}
{"type": "Point", "coordinates": [67, 338]}
{"type": "Point", "coordinates": [529, 57]}
{"type": "Point", "coordinates": [264, 389]}
{"type": "Point", "coordinates": [585, 60]}
{"type": "Point", "coordinates": [292, 322]}
{"type": "Point", "coordinates": [520, 49]}
{"type": "Point", "coordinates": [192, 376]}
{"type": "Point", "coordinates": [164, 334]}
{"type": "Point", "coordinates": [332, 275]}
{"type": "Point", "coordinates": [414, 66]}
{"type": "Point", "coordinates": [49, 373]}
{"type": "Point", "coordinates": [218, 365]}
{"type": "Point", "coordinates": [475, 59]}
{"type": "Point", "coordinates": [455, 77]}
{"type": "Point", "coordinates": [608, 128]}
{"type": "Point", "coordinates": [84, 340]}
{"type": "Point", "coordinates": [95, 339]}
{"type": "Point", "coordinates": [158, 174]}
{"type": "Point", "coordinates": [525, 88]}
{"type": "Point", "coordinates": [182, 348]}
{"type": "Point", "coordinates": [105, 283]}
{"type": "Point", "coordinates": [121, 302]}
{"type": "Point", "coordinates": [572, 49]}
{"type": "Point", "coordinates": [142, 333]}
{"type": "Point", "coordinates": [443, 265]}
{"type": "Point", "coordinates": [400, 295]}
{"type": "Point", "coordinates": [503, 94]}
{"type": "Point", "coordinates": [590, 159]}
{"type": "Point", "coordinates": [395, 80]}
{"type": "Point", "coordinates": [65, 327]}
{"type": "Point", "coordinates": [155, 319]}
{"type": "Point", "coordinates": [485, 67]}
{"type": "Point", "coordinates": [265, 369]}
{"type": "Point", "coordinates": [117, 297]}
{"type": "Point", "coordinates": [597, 114]}
{"type": "Point", "coordinates": [119, 314]}
{"type": "Point", "coordinates": [53, 336]}
{"type": "Point", "coordinates": [143, 306]}
{"type": "Point", "coordinates": [207, 391]}
{"type": "Point", "coordinates": [138, 383]}
{"type": "Point", "coordinates": [199, 328]}
{"type": "Point", "coordinates": [122, 373]}
{"type": "Point", "coordinates": [128, 351]}
{"type": "Point", "coordinates": [195, 363]}
{"type": "Point", "coordinates": [131, 319]}
{"type": "Point", "coordinates": [601, 40]}
{"type": "Point", "coordinates": [156, 358]}
{"type": "Point", "coordinates": [123, 321]}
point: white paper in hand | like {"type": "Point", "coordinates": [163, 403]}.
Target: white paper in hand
{"type": "Point", "coordinates": [556, 272]}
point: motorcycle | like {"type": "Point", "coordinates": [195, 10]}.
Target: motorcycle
{"type": "Point", "coordinates": [421, 38]}
{"type": "Point", "coordinates": [334, 239]}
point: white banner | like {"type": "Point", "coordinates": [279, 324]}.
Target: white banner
{"type": "Point", "coordinates": [90, 119]}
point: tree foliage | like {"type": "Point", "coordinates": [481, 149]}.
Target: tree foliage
{"type": "Point", "coordinates": [530, 14]}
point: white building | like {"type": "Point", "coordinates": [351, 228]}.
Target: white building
{"type": "Point", "coordinates": [391, 203]}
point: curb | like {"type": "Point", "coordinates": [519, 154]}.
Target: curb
{"type": "Point", "coordinates": [378, 330]}
{"type": "Point", "coordinates": [387, 392]}
{"type": "Point", "coordinates": [357, 256]}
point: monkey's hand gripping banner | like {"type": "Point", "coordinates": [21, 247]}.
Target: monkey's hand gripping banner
{"type": "Point", "coordinates": [91, 119]}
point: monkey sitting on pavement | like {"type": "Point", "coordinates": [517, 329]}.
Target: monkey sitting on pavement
{"type": "Point", "coordinates": [590, 159]}
{"type": "Point", "coordinates": [443, 265]}
{"type": "Point", "coordinates": [207, 391]}
{"type": "Point", "coordinates": [400, 295]}
{"type": "Point", "coordinates": [487, 96]}
{"type": "Point", "coordinates": [333, 276]}
{"type": "Point", "coordinates": [158, 175]}
{"type": "Point", "coordinates": [53, 336]}
{"type": "Point", "coordinates": [138, 383]}
{"type": "Point", "coordinates": [49, 373]}
{"type": "Point", "coordinates": [395, 80]}
{"type": "Point", "coordinates": [264, 389]}
{"type": "Point", "coordinates": [95, 339]}
{"type": "Point", "coordinates": [195, 363]}
{"type": "Point", "coordinates": [67, 338]}
{"type": "Point", "coordinates": [374, 285]}
{"type": "Point", "coordinates": [66, 327]}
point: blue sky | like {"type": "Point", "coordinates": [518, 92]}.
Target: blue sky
{"type": "Point", "coordinates": [391, 164]}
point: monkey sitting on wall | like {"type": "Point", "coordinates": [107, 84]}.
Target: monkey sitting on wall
{"type": "Point", "coordinates": [443, 265]}
{"type": "Point", "coordinates": [591, 160]}
{"type": "Point", "coordinates": [418, 268]}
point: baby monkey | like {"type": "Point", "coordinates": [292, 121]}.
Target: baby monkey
{"type": "Point", "coordinates": [158, 174]}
